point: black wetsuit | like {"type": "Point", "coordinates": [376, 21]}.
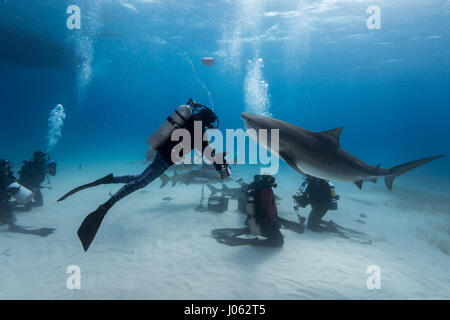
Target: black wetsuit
{"type": "Point", "coordinates": [31, 175]}
{"type": "Point", "coordinates": [6, 214]}
{"type": "Point", "coordinates": [162, 162]}
{"type": "Point", "coordinates": [319, 196]}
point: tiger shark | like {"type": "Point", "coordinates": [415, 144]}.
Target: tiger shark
{"type": "Point", "coordinates": [319, 154]}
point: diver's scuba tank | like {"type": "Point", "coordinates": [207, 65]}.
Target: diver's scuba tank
{"type": "Point", "coordinates": [175, 121]}
{"type": "Point", "coordinates": [259, 182]}
{"type": "Point", "coordinates": [250, 209]}
{"type": "Point", "coordinates": [334, 197]}
{"type": "Point", "coordinates": [22, 195]}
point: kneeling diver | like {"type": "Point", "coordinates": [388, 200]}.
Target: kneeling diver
{"type": "Point", "coordinates": [183, 118]}
{"type": "Point", "coordinates": [9, 188]}
{"type": "Point", "coordinates": [321, 195]}
{"type": "Point", "coordinates": [34, 172]}
{"type": "Point", "coordinates": [262, 215]}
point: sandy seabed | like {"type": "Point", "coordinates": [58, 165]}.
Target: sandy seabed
{"type": "Point", "coordinates": [148, 248]}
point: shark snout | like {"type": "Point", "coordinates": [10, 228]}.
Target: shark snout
{"type": "Point", "coordinates": [246, 117]}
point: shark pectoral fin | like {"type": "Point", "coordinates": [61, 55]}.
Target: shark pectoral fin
{"type": "Point", "coordinates": [332, 136]}
{"type": "Point", "coordinates": [359, 184]}
{"type": "Point", "coordinates": [389, 181]}
{"type": "Point", "coordinates": [291, 163]}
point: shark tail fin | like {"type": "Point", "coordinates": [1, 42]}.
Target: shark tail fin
{"type": "Point", "coordinates": [406, 167]}
{"type": "Point", "coordinates": [164, 180]}
{"type": "Point", "coordinates": [213, 189]}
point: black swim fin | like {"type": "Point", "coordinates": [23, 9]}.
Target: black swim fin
{"type": "Point", "coordinates": [105, 180]}
{"type": "Point", "coordinates": [291, 225]}
{"type": "Point", "coordinates": [229, 232]}
{"type": "Point", "coordinates": [42, 232]}
{"type": "Point", "coordinates": [88, 229]}
{"type": "Point", "coordinates": [236, 241]}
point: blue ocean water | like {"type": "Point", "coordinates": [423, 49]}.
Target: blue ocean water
{"type": "Point", "coordinates": [92, 96]}
{"type": "Point", "coordinates": [134, 61]}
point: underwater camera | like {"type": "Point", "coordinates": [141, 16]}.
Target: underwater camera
{"type": "Point", "coordinates": [217, 204]}
{"type": "Point", "coordinates": [301, 197]}
{"type": "Point", "coordinates": [301, 200]}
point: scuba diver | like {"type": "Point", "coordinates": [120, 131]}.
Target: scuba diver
{"type": "Point", "coordinates": [184, 117]}
{"type": "Point", "coordinates": [9, 188]}
{"type": "Point", "coordinates": [34, 172]}
{"type": "Point", "coordinates": [6, 192]}
{"type": "Point", "coordinates": [262, 215]}
{"type": "Point", "coordinates": [321, 195]}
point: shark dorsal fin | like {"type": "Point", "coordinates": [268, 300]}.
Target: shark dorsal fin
{"type": "Point", "coordinates": [333, 135]}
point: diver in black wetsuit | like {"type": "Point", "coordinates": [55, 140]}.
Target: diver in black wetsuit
{"type": "Point", "coordinates": [320, 195]}
{"type": "Point", "coordinates": [6, 192]}
{"type": "Point", "coordinates": [184, 117]}
{"type": "Point", "coordinates": [34, 172]}
{"type": "Point", "coordinates": [8, 189]}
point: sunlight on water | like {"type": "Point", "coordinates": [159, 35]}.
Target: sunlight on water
{"type": "Point", "coordinates": [299, 33]}
{"type": "Point", "coordinates": [90, 90]}
{"type": "Point", "coordinates": [243, 28]}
